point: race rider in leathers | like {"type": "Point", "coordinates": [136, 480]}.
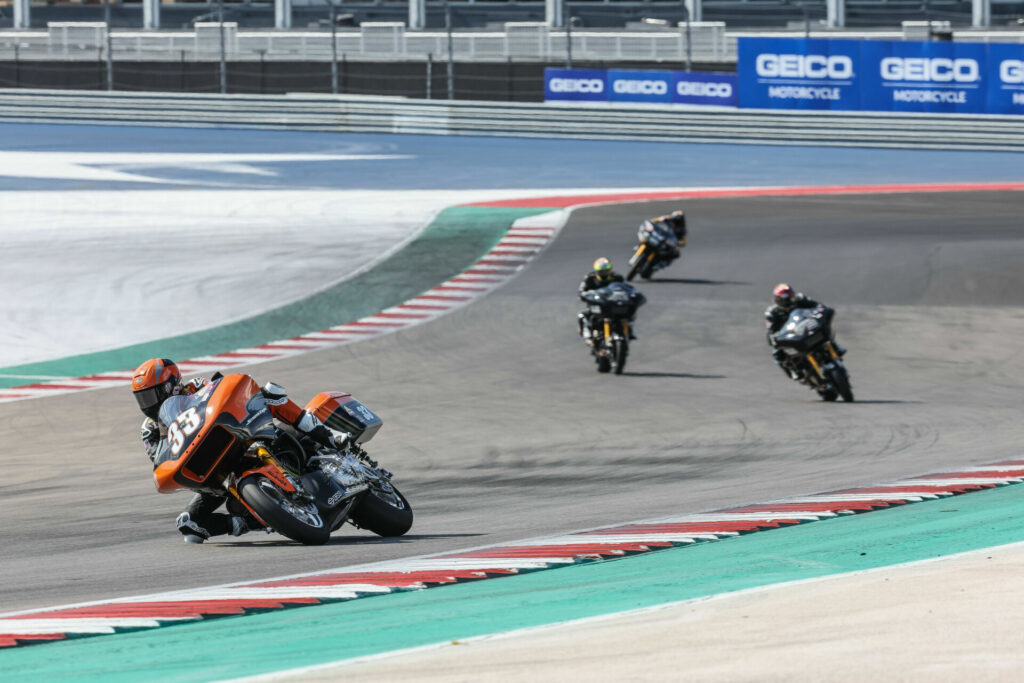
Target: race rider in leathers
{"type": "Point", "coordinates": [601, 276]}
{"type": "Point", "coordinates": [158, 379]}
{"type": "Point", "coordinates": [676, 221]}
{"type": "Point", "coordinates": [786, 300]}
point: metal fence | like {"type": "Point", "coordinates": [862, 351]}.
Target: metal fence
{"type": "Point", "coordinates": [381, 41]}
{"type": "Point", "coordinates": [373, 41]}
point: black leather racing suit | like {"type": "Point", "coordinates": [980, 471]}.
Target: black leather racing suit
{"type": "Point", "coordinates": [774, 318]}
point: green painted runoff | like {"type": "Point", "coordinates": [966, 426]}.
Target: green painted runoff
{"type": "Point", "coordinates": [454, 241]}
{"type": "Point", "coordinates": [239, 646]}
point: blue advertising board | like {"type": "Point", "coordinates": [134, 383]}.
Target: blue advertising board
{"type": "Point", "coordinates": [695, 87]}
{"type": "Point", "coordinates": [879, 75]}
{"type": "Point", "coordinates": [931, 77]}
{"type": "Point", "coordinates": [1005, 78]}
{"type": "Point", "coordinates": [639, 86]}
{"type": "Point", "coordinates": [575, 85]}
{"type": "Point", "coordinates": [799, 73]}
{"type": "Point", "coordinates": [627, 85]}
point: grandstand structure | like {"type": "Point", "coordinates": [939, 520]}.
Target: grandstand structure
{"type": "Point", "coordinates": [478, 14]}
{"type": "Point", "coordinates": [408, 47]}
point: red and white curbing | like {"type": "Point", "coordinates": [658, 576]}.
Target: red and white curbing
{"type": "Point", "coordinates": [417, 573]}
{"type": "Point", "coordinates": [520, 244]}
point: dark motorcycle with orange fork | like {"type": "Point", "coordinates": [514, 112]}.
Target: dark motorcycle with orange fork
{"type": "Point", "coordinates": [224, 440]}
{"type": "Point", "coordinates": [810, 354]}
{"type": "Point", "coordinates": [657, 247]}
{"type": "Point", "coordinates": [611, 309]}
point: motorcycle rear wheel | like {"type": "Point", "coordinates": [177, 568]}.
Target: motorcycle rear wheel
{"type": "Point", "coordinates": [602, 354]}
{"type": "Point", "coordinates": [382, 512]}
{"type": "Point", "coordinates": [300, 522]}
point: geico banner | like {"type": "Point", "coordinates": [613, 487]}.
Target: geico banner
{"type": "Point", "coordinates": [799, 73]}
{"type": "Point", "coordinates": [639, 86]}
{"type": "Point", "coordinates": [704, 88]}
{"type": "Point", "coordinates": [575, 84]}
{"type": "Point", "coordinates": [927, 77]}
{"type": "Point", "coordinates": [1005, 78]}
{"type": "Point", "coordinates": [880, 75]}
{"type": "Point", "coordinates": [623, 85]}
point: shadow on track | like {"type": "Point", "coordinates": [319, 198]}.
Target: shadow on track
{"type": "Point", "coordinates": [681, 375]}
{"type": "Point", "coordinates": [693, 281]}
{"type": "Point", "coordinates": [885, 402]}
{"type": "Point", "coordinates": [340, 540]}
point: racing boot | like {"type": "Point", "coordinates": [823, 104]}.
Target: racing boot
{"type": "Point", "coordinates": [839, 349]}
{"type": "Point", "coordinates": [192, 532]}
{"type": "Point", "coordinates": [586, 332]}
{"type": "Point", "coordinates": [238, 526]}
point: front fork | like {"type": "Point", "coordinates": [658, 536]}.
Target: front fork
{"type": "Point", "coordinates": [608, 329]}
{"type": "Point", "coordinates": [816, 365]}
{"type": "Point", "coordinates": [269, 469]}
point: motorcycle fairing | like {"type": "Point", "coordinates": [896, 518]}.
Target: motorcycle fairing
{"type": "Point", "coordinates": [204, 428]}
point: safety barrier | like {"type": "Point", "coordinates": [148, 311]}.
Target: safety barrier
{"type": "Point", "coordinates": [360, 114]}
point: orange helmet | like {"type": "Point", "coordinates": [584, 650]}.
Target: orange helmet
{"type": "Point", "coordinates": [153, 382]}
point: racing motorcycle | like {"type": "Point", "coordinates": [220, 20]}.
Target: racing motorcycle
{"type": "Point", "coordinates": [806, 339]}
{"type": "Point", "coordinates": [611, 308]}
{"type": "Point", "coordinates": [225, 440]}
{"type": "Point", "coordinates": [658, 247]}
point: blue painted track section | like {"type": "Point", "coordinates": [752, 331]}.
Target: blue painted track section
{"type": "Point", "coordinates": [457, 163]}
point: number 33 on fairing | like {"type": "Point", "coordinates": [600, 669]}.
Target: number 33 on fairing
{"type": "Point", "coordinates": [184, 425]}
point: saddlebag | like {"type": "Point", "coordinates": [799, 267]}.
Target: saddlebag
{"type": "Point", "coordinates": [341, 412]}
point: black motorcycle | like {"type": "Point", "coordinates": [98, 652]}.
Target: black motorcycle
{"type": "Point", "coordinates": [611, 308]}
{"type": "Point", "coordinates": [810, 355]}
{"type": "Point", "coordinates": [658, 247]}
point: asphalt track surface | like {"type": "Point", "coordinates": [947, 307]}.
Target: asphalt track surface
{"type": "Point", "coordinates": [498, 427]}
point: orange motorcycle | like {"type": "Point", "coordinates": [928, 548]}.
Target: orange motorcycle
{"type": "Point", "coordinates": [224, 439]}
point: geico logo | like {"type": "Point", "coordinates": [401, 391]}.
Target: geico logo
{"type": "Point", "coordinates": [1011, 71]}
{"type": "Point", "coordinates": [836, 67]}
{"type": "Point", "coordinates": [624, 87]}
{"type": "Point", "coordinates": [933, 69]}
{"type": "Point", "coordinates": [693, 89]}
{"type": "Point", "coordinates": [591, 85]}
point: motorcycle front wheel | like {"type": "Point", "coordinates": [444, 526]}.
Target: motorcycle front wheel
{"type": "Point", "coordinates": [841, 380]}
{"type": "Point", "coordinates": [299, 521]}
{"type": "Point", "coordinates": [620, 349]}
{"type": "Point", "coordinates": [635, 263]}
{"type": "Point", "coordinates": [385, 513]}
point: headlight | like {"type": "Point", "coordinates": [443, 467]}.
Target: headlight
{"type": "Point", "coordinates": [594, 308]}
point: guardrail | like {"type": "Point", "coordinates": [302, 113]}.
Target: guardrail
{"type": "Point", "coordinates": [361, 114]}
